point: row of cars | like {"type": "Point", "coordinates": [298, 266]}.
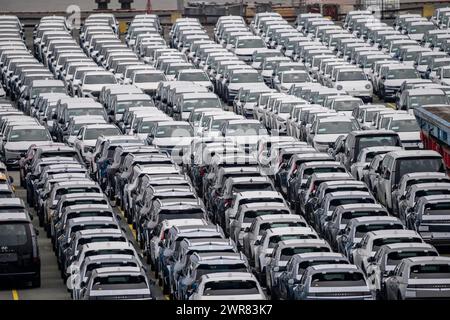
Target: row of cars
{"type": "Point", "coordinates": [93, 251]}
{"type": "Point", "coordinates": [383, 142]}
{"type": "Point", "coordinates": [209, 192]}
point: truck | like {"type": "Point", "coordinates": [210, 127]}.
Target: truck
{"type": "Point", "coordinates": [434, 122]}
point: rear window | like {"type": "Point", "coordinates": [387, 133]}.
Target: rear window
{"type": "Point", "coordinates": [338, 279]}
{"type": "Point", "coordinates": [265, 226]}
{"type": "Point", "coordinates": [251, 215]}
{"type": "Point", "coordinates": [363, 229]}
{"type": "Point", "coordinates": [377, 243]}
{"type": "Point", "coordinates": [430, 271]}
{"type": "Point", "coordinates": [225, 288]}
{"type": "Point", "coordinates": [394, 258]}
{"type": "Point", "coordinates": [287, 253]}
{"type": "Point", "coordinates": [119, 282]}
{"type": "Point", "coordinates": [14, 234]}
{"type": "Point", "coordinates": [249, 187]}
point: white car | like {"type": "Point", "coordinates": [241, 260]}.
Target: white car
{"type": "Point", "coordinates": [93, 82]}
{"type": "Point", "coordinates": [228, 286]}
{"type": "Point", "coordinates": [373, 240]}
{"type": "Point", "coordinates": [408, 130]}
{"type": "Point", "coordinates": [325, 131]}
{"type": "Point", "coordinates": [355, 82]}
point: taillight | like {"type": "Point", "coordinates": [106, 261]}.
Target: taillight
{"type": "Point", "coordinates": [36, 260]}
{"type": "Point", "coordinates": [162, 236]}
{"type": "Point", "coordinates": [227, 203]}
{"type": "Point", "coordinates": [202, 171]}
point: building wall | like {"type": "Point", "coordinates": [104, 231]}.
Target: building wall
{"type": "Point", "coordinates": [87, 5]}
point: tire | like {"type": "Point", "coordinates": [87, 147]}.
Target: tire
{"type": "Point", "coordinates": [36, 283]}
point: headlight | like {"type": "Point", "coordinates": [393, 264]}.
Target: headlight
{"type": "Point", "coordinates": [368, 86]}
{"type": "Point", "coordinates": [339, 87]}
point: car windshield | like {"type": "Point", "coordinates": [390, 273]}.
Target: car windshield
{"type": "Point", "coordinates": [377, 243]}
{"type": "Point", "coordinates": [338, 279]}
{"type": "Point", "coordinates": [394, 258]}
{"type": "Point", "coordinates": [377, 141]}
{"type": "Point", "coordinates": [404, 125]}
{"type": "Point", "coordinates": [287, 253]}
{"type": "Point", "coordinates": [86, 112]}
{"type": "Point", "coordinates": [100, 79]}
{"type": "Point", "coordinates": [421, 28]}
{"type": "Point", "coordinates": [174, 131]}
{"type": "Point", "coordinates": [430, 271]}
{"type": "Point", "coordinates": [119, 282]}
{"type": "Point", "coordinates": [417, 164]}
{"type": "Point", "coordinates": [246, 77]}
{"type": "Point", "coordinates": [29, 135]}
{"type": "Point", "coordinates": [246, 129]}
{"type": "Point", "coordinates": [94, 133]}
{"type": "Point", "coordinates": [147, 126]}
{"type": "Point", "coordinates": [287, 107]}
{"type": "Point", "coordinates": [346, 105]}
{"type": "Point", "coordinates": [193, 76]}
{"type": "Point", "coordinates": [338, 127]}
{"type": "Point", "coordinates": [351, 76]}
{"type": "Point", "coordinates": [149, 77]}
{"type": "Point", "coordinates": [295, 77]}
{"type": "Point", "coordinates": [402, 74]}
{"type": "Point", "coordinates": [192, 104]}
{"type": "Point", "coordinates": [13, 234]}
{"type": "Point", "coordinates": [230, 288]}
{"type": "Point", "coordinates": [423, 100]}
{"type": "Point", "coordinates": [250, 43]}
{"type": "Point", "coordinates": [37, 91]}
{"type": "Point", "coordinates": [446, 73]}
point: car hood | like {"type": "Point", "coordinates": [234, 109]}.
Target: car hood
{"type": "Point", "coordinates": [147, 86]}
{"type": "Point", "coordinates": [245, 51]}
{"type": "Point", "coordinates": [326, 138]}
{"type": "Point", "coordinates": [93, 87]}
{"type": "Point", "coordinates": [172, 141]}
{"type": "Point", "coordinates": [22, 145]}
{"type": "Point", "coordinates": [393, 82]}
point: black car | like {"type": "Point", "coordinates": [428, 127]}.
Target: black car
{"type": "Point", "coordinates": [19, 253]}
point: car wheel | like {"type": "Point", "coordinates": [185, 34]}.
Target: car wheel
{"type": "Point", "coordinates": [36, 283]}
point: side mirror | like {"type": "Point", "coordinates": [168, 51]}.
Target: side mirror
{"type": "Point", "coordinates": [82, 284]}
{"type": "Point", "coordinates": [276, 269]}
{"type": "Point", "coordinates": [371, 259]}
{"type": "Point", "coordinates": [257, 243]}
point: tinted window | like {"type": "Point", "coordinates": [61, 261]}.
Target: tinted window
{"type": "Point", "coordinates": [13, 234]}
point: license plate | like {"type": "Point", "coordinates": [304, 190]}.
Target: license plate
{"type": "Point", "coordinates": [8, 257]}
